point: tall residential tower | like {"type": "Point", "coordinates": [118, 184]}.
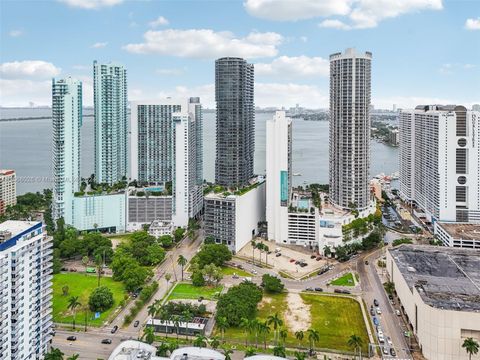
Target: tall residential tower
{"type": "Point", "coordinates": [234, 79]}
{"type": "Point", "coordinates": [67, 123]}
{"type": "Point", "coordinates": [350, 75]}
{"type": "Point", "coordinates": [111, 125]}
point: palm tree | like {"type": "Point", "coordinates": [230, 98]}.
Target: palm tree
{"type": "Point", "coordinates": [176, 322]}
{"type": "Point", "coordinates": [254, 245]}
{"type": "Point", "coordinates": [283, 335]}
{"type": "Point", "coordinates": [276, 322]}
{"type": "Point", "coordinates": [222, 326]}
{"type": "Point", "coordinates": [200, 341]}
{"type": "Point", "coordinates": [73, 303]}
{"type": "Point", "coordinates": [355, 342]}
{"type": "Point", "coordinates": [54, 354]}
{"type": "Point", "coordinates": [254, 327]}
{"type": "Point", "coordinates": [300, 355]}
{"type": "Point", "coordinates": [470, 346]}
{"type": "Point", "coordinates": [214, 342]}
{"type": "Point", "coordinates": [98, 263]}
{"type": "Point", "coordinates": [279, 351]}
{"type": "Point", "coordinates": [186, 317]}
{"type": "Point", "coordinates": [313, 337]}
{"type": "Point", "coordinates": [266, 249]}
{"type": "Point", "coordinates": [259, 246]}
{"type": "Point", "coordinates": [299, 335]}
{"type": "Point", "coordinates": [264, 329]}
{"type": "Point", "coordinates": [149, 334]}
{"type": "Point", "coordinates": [152, 310]}
{"type": "Point", "coordinates": [73, 357]}
{"type": "Point", "coordinates": [245, 324]}
{"type": "Point", "coordinates": [182, 261]}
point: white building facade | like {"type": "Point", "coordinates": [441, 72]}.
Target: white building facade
{"type": "Point", "coordinates": [8, 189]}
{"type": "Point", "coordinates": [111, 124]}
{"type": "Point", "coordinates": [26, 292]}
{"type": "Point", "coordinates": [67, 123]}
{"type": "Point", "coordinates": [440, 162]}
{"type": "Point", "coordinates": [279, 175]}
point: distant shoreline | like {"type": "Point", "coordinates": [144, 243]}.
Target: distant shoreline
{"type": "Point", "coordinates": [34, 118]}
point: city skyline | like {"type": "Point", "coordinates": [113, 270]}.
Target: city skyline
{"type": "Point", "coordinates": [289, 48]}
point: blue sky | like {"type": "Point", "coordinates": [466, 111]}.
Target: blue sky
{"type": "Point", "coordinates": [423, 50]}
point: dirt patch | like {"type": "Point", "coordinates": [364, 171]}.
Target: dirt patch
{"type": "Point", "coordinates": [297, 316]}
{"type": "Point", "coordinates": [265, 300]}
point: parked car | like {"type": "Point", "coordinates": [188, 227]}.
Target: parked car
{"type": "Point", "coordinates": [136, 323]}
{"type": "Point", "coordinates": [292, 260]}
{"type": "Point", "coordinates": [235, 276]}
{"type": "Point", "coordinates": [318, 258]}
{"type": "Point", "coordinates": [379, 312]}
{"type": "Point", "coordinates": [381, 339]}
{"type": "Point", "coordinates": [114, 329]}
{"type": "Point", "coordinates": [254, 272]}
{"type": "Point", "coordinates": [372, 311]}
{"type": "Point", "coordinates": [309, 289]}
{"type": "Point", "coordinates": [392, 302]}
{"type": "Point", "coordinates": [338, 291]}
{"type": "Point", "coordinates": [366, 262]}
{"type": "Point", "coordinates": [389, 341]}
{"type": "Point", "coordinates": [71, 338]}
{"type": "Point", "coordinates": [318, 289]}
{"type": "Point", "coordinates": [106, 341]}
{"type": "Point", "coordinates": [345, 291]}
{"type": "Point", "coordinates": [392, 352]}
{"type": "Point", "coordinates": [297, 262]}
{"type": "Point", "coordinates": [375, 302]}
{"type": "Point", "coordinates": [278, 254]}
{"type": "Point", "coordinates": [385, 350]}
{"type": "Point", "coordinates": [303, 264]}
{"type": "Point", "coordinates": [375, 321]}
{"type": "Point", "coordinates": [398, 312]}
{"type": "Point", "coordinates": [313, 256]}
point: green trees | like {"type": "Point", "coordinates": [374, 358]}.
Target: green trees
{"type": "Point", "coordinates": [264, 330]}
{"type": "Point", "coordinates": [245, 325]}
{"type": "Point", "coordinates": [355, 342]}
{"type": "Point", "coordinates": [279, 351]}
{"type": "Point", "coordinates": [149, 334]}
{"type": "Point", "coordinates": [471, 347]}
{"type": "Point", "coordinates": [239, 302]}
{"type": "Point", "coordinates": [100, 299]}
{"type": "Point", "coordinates": [166, 241]}
{"type": "Point", "coordinates": [200, 341]}
{"type": "Point", "coordinates": [222, 325]}
{"type": "Point", "coordinates": [389, 287]}
{"type": "Point", "coordinates": [212, 274]}
{"type": "Point", "coordinates": [178, 234]}
{"type": "Point", "coordinates": [126, 269]}
{"type": "Point", "coordinates": [401, 241]}
{"type": "Point", "coordinates": [73, 304]}
{"type": "Point", "coordinates": [73, 357]}
{"type": "Point", "coordinates": [313, 338]}
{"type": "Point", "coordinates": [276, 322]}
{"type": "Point", "coordinates": [182, 261]}
{"type": "Point", "coordinates": [272, 284]}
{"type": "Point", "coordinates": [299, 335]}
{"type": "Point", "coordinates": [144, 248]}
{"type": "Point", "coordinates": [197, 278]}
{"type": "Point", "coordinates": [54, 354]}
{"type": "Point", "coordinates": [216, 254]}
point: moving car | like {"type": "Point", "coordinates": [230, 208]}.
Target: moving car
{"type": "Point", "coordinates": [375, 302]}
{"type": "Point", "coordinates": [71, 338]}
{"type": "Point", "coordinates": [309, 289]}
{"type": "Point", "coordinates": [136, 323]}
{"type": "Point", "coordinates": [106, 341]}
{"type": "Point", "coordinates": [313, 256]}
{"type": "Point", "coordinates": [114, 329]}
{"type": "Point", "coordinates": [278, 254]}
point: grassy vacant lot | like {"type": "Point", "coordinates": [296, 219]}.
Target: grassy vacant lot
{"type": "Point", "coordinates": [345, 280]}
{"type": "Point", "coordinates": [81, 285]}
{"type": "Point", "coordinates": [227, 270]}
{"type": "Point", "coordinates": [336, 318]}
{"type": "Point", "coordinates": [188, 291]}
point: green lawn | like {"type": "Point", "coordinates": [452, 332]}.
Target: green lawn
{"type": "Point", "coordinates": [227, 270]}
{"type": "Point", "coordinates": [81, 285]}
{"type": "Point", "coordinates": [345, 280]}
{"type": "Point", "coordinates": [336, 318]}
{"type": "Point", "coordinates": [188, 291]}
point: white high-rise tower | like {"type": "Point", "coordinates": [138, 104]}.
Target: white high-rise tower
{"type": "Point", "coordinates": [350, 76]}
{"type": "Point", "coordinates": [67, 123]}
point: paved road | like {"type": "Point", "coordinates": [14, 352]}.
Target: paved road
{"type": "Point", "coordinates": [372, 288]}
{"type": "Point", "coordinates": [88, 344]}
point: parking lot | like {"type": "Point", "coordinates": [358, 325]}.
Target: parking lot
{"type": "Point", "coordinates": [285, 259]}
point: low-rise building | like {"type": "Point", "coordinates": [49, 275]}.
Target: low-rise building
{"type": "Point", "coordinates": [8, 189]}
{"type": "Point", "coordinates": [26, 290]}
{"type": "Point", "coordinates": [145, 207]}
{"type": "Point", "coordinates": [233, 218]}
{"type": "Point", "coordinates": [439, 294]}
{"type": "Point", "coordinates": [102, 212]}
{"type": "Point", "coordinates": [458, 234]}
{"type": "Point", "coordinates": [160, 228]}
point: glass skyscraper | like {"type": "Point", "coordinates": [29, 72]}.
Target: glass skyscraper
{"type": "Point", "coordinates": [111, 124]}
{"type": "Point", "coordinates": [234, 94]}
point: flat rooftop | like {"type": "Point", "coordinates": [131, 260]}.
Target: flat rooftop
{"type": "Point", "coordinates": [462, 231]}
{"type": "Point", "coordinates": [16, 226]}
{"type": "Point", "coordinates": [446, 278]}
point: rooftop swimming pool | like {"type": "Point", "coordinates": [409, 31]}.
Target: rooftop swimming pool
{"type": "Point", "coordinates": [154, 189]}
{"type": "Point", "coordinates": [303, 203]}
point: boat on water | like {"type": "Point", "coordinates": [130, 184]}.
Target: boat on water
{"type": "Point", "coordinates": [297, 174]}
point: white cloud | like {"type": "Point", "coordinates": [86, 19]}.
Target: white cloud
{"type": "Point", "coordinates": [303, 39]}
{"type": "Point", "coordinates": [15, 33]}
{"type": "Point", "coordinates": [170, 71]}
{"type": "Point", "coordinates": [91, 4]}
{"type": "Point", "coordinates": [448, 69]}
{"type": "Point", "coordinates": [472, 24]}
{"type": "Point", "coordinates": [289, 67]}
{"type": "Point", "coordinates": [360, 14]}
{"type": "Point", "coordinates": [206, 43]}
{"type": "Point", "coordinates": [291, 10]}
{"type": "Point", "coordinates": [160, 21]}
{"type": "Point", "coordinates": [334, 24]}
{"type": "Point", "coordinates": [19, 92]}
{"type": "Point", "coordinates": [99, 45]}
{"type": "Point", "coordinates": [28, 69]}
